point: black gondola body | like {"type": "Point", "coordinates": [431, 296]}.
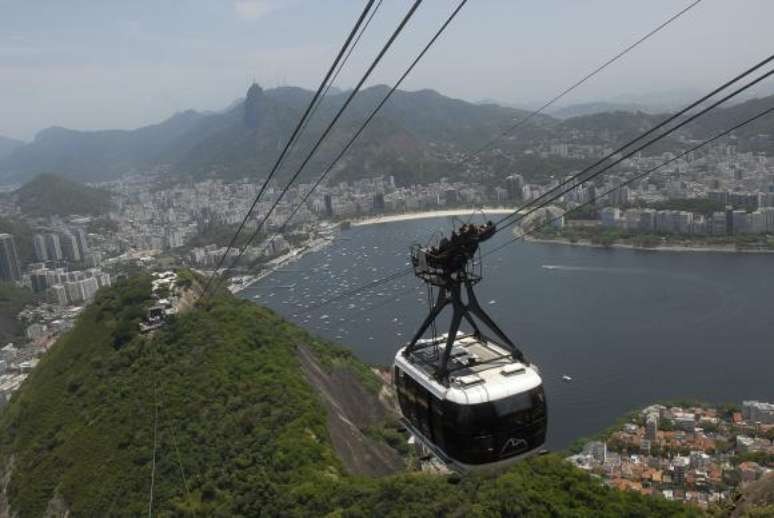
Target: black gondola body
{"type": "Point", "coordinates": [490, 413]}
{"type": "Point", "coordinates": [474, 401]}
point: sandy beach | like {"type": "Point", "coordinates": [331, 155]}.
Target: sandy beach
{"type": "Point", "coordinates": [431, 214]}
{"type": "Point", "coordinates": [245, 281]}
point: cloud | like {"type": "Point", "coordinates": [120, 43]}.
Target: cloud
{"type": "Point", "coordinates": [254, 9]}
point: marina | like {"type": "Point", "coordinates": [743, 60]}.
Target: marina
{"type": "Point", "coordinates": [629, 327]}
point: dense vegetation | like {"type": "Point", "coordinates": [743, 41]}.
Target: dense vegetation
{"type": "Point", "coordinates": [239, 430]}
{"type": "Point", "coordinates": [412, 138]}
{"type": "Point", "coordinates": [22, 234]}
{"type": "Point", "coordinates": [49, 195]}
{"type": "Point", "coordinates": [218, 233]}
{"type": "Point", "coordinates": [12, 300]}
{"type": "Point", "coordinates": [602, 236]}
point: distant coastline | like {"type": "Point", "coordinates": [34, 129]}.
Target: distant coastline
{"type": "Point", "coordinates": [292, 255]}
{"type": "Point", "coordinates": [730, 249]}
{"type": "Point", "coordinates": [376, 220]}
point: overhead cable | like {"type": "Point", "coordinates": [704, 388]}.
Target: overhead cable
{"type": "Point", "coordinates": [585, 78]}
{"type": "Point", "coordinates": [325, 134]}
{"type": "Point", "coordinates": [290, 141]}
{"type": "Point", "coordinates": [636, 177]}
{"type": "Point", "coordinates": [639, 148]}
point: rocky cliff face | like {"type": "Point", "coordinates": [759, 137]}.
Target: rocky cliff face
{"type": "Point", "coordinates": [352, 411]}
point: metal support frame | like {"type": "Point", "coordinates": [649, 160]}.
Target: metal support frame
{"type": "Point", "coordinates": [451, 293]}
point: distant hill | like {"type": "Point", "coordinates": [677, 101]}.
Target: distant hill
{"type": "Point", "coordinates": [245, 139]}
{"type": "Point", "coordinates": [576, 110]}
{"type": "Point", "coordinates": [413, 138]}
{"type": "Point", "coordinates": [757, 136]}
{"type": "Point", "coordinates": [48, 195]}
{"type": "Point", "coordinates": [241, 429]}
{"type": "Point", "coordinates": [620, 122]}
{"type": "Point", "coordinates": [8, 145]}
{"type": "Point", "coordinates": [94, 155]}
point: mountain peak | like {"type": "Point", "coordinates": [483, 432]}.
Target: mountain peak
{"type": "Point", "coordinates": [253, 103]}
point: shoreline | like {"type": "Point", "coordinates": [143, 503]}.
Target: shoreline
{"type": "Point", "coordinates": [670, 248]}
{"type": "Point", "coordinates": [321, 242]}
{"type": "Point", "coordinates": [408, 216]}
{"type": "Point", "coordinates": [278, 262]}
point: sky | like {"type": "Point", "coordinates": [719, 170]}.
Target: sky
{"type": "Point", "coordinates": [95, 64]}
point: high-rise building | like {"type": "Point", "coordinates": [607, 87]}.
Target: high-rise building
{"type": "Point", "coordinates": [59, 294]}
{"type": "Point", "coordinates": [598, 450]}
{"type": "Point", "coordinates": [81, 238]}
{"type": "Point", "coordinates": [10, 269]}
{"type": "Point", "coordinates": [103, 279]}
{"type": "Point", "coordinates": [651, 427]}
{"type": "Point", "coordinates": [70, 247]}
{"type": "Point", "coordinates": [620, 197]}
{"type": "Point", "coordinates": [756, 411]}
{"type": "Point", "coordinates": [719, 224]}
{"type": "Point", "coordinates": [39, 244]}
{"type": "Point", "coordinates": [89, 288]}
{"type": "Point", "coordinates": [645, 446]}
{"type": "Point", "coordinates": [740, 222]}
{"type": "Point", "coordinates": [328, 206]}
{"type": "Point", "coordinates": [514, 184]}
{"type": "Point", "coordinates": [729, 221]}
{"type": "Point", "coordinates": [680, 466]}
{"type": "Point", "coordinates": [54, 247]}
{"type": "Point", "coordinates": [699, 460]}
{"type": "Point", "coordinates": [378, 202]}
{"type": "Point", "coordinates": [39, 280]}
{"type": "Point", "coordinates": [74, 291]}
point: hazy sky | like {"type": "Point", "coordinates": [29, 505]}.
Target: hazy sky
{"type": "Point", "coordinates": [91, 64]}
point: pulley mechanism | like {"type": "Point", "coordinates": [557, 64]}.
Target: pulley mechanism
{"type": "Point", "coordinates": [449, 266]}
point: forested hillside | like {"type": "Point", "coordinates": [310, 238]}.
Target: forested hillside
{"type": "Point", "coordinates": [416, 137]}
{"type": "Point", "coordinates": [240, 432]}
{"type": "Point", "coordinates": [48, 195]}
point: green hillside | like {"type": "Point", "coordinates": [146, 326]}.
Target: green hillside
{"type": "Point", "coordinates": [22, 234]}
{"type": "Point", "coordinates": [239, 431]}
{"type": "Point", "coordinates": [48, 194]}
{"type": "Point", "coordinates": [12, 300]}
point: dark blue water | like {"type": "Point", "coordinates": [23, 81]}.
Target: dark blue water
{"type": "Point", "coordinates": [630, 327]}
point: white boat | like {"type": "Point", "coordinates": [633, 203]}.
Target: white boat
{"type": "Point", "coordinates": [566, 378]}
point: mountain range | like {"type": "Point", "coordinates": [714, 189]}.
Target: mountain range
{"type": "Point", "coordinates": [8, 145]}
{"type": "Point", "coordinates": [243, 140]}
{"type": "Point", "coordinates": [415, 131]}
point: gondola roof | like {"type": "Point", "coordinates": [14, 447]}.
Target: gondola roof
{"type": "Point", "coordinates": [492, 374]}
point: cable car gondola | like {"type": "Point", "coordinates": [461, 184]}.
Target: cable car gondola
{"type": "Point", "coordinates": [473, 400]}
